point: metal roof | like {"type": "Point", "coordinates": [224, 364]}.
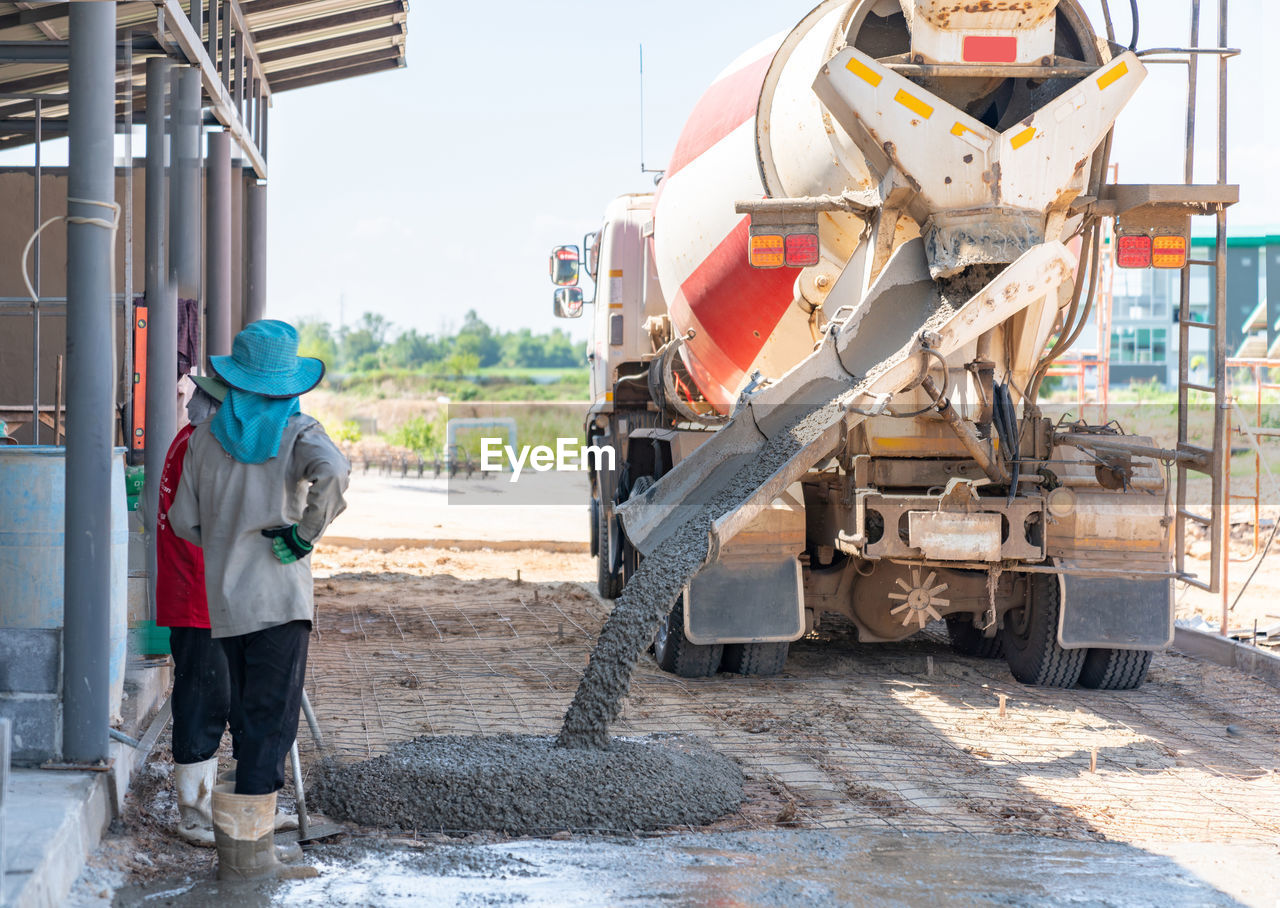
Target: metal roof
{"type": "Point", "coordinates": [248, 51]}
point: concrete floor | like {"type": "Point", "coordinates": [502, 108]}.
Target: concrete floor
{"type": "Point", "coordinates": [783, 868]}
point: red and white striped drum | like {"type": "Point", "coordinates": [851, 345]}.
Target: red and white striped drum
{"type": "Point", "coordinates": [760, 116]}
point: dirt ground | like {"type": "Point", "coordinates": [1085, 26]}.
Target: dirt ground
{"type": "Point", "coordinates": [905, 737]}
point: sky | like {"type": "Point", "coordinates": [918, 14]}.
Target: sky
{"type": "Point", "coordinates": [424, 192]}
{"type": "Point", "coordinates": [442, 187]}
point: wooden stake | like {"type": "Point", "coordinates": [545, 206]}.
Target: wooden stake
{"type": "Point", "coordinates": [1004, 698]}
{"type": "Point", "coordinates": [1093, 759]}
{"type": "Point", "coordinates": [57, 401]}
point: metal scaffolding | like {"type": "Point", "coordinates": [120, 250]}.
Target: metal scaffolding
{"type": "Point", "coordinates": [196, 71]}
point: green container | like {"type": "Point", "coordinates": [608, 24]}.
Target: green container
{"type": "Point", "coordinates": [133, 480]}
{"type": "Point", "coordinates": [146, 639]}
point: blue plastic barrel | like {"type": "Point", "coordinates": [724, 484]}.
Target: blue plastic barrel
{"type": "Point", "coordinates": [32, 510]}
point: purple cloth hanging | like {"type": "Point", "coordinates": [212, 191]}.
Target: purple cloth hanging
{"type": "Point", "coordinates": [188, 336]}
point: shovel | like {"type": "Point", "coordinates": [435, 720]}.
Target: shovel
{"type": "Point", "coordinates": [306, 831]}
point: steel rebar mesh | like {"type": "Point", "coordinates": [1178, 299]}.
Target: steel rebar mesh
{"type": "Point", "coordinates": [905, 736]}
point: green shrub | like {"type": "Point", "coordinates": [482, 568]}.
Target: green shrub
{"type": "Point", "coordinates": [419, 434]}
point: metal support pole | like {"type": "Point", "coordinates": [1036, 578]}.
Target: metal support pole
{"type": "Point", "coordinates": [184, 187]}
{"type": "Point", "coordinates": [255, 249]}
{"type": "Point", "coordinates": [37, 219]}
{"type": "Point", "coordinates": [1221, 439]}
{"type": "Point", "coordinates": [90, 386]}
{"type": "Point", "coordinates": [237, 242]}
{"type": "Point", "coordinates": [218, 244]}
{"type": "Point", "coordinates": [162, 314]}
{"type": "Point", "coordinates": [125, 367]}
{"type": "Point", "coordinates": [1184, 307]}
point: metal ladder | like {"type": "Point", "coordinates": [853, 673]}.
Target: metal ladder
{"type": "Point", "coordinates": [1213, 461]}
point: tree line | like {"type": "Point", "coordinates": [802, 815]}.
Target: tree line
{"type": "Point", "coordinates": [373, 344]}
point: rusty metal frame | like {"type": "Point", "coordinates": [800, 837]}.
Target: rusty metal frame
{"type": "Point", "coordinates": [894, 507]}
{"type": "Point", "coordinates": [1215, 458]}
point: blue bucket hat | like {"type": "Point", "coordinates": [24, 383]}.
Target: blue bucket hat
{"type": "Point", "coordinates": [264, 360]}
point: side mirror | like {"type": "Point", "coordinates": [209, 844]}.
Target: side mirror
{"type": "Point", "coordinates": [591, 252]}
{"type": "Point", "coordinates": [564, 266]}
{"type": "Point", "coordinates": [568, 302]}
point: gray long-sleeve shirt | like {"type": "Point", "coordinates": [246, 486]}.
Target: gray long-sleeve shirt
{"type": "Point", "coordinates": [223, 505]}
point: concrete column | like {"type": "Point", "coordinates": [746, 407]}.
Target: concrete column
{"type": "Point", "coordinates": [217, 232]}
{"type": "Point", "coordinates": [162, 314]}
{"type": "Point", "coordinates": [255, 249]}
{"type": "Point", "coordinates": [237, 244]}
{"type": "Point", "coordinates": [184, 183]}
{"type": "Point", "coordinates": [90, 386]}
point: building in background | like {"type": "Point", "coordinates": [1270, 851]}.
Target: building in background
{"type": "Point", "coordinates": [1144, 312]}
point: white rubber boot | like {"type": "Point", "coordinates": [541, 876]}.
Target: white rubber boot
{"type": "Point", "coordinates": [243, 827]}
{"type": "Point", "coordinates": [284, 821]}
{"type": "Point", "coordinates": [194, 783]}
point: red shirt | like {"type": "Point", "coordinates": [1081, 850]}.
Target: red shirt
{"type": "Point", "coordinates": [180, 595]}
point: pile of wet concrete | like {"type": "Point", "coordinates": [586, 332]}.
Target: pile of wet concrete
{"type": "Point", "coordinates": [526, 785]}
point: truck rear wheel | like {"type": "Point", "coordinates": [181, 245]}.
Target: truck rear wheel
{"type": "Point", "coordinates": [967, 640]}
{"type": "Point", "coordinates": [608, 581]}
{"type": "Point", "coordinates": [1115, 669]}
{"type": "Point", "coordinates": [1030, 638]}
{"type": "Point", "coordinates": [762, 659]}
{"type": "Point", "coordinates": [676, 654]}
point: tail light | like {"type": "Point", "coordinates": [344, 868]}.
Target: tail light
{"type": "Point", "coordinates": [802, 249]}
{"type": "Point", "coordinates": [767, 251]}
{"type": "Point", "coordinates": [1169, 251]}
{"type": "Point", "coordinates": [1134, 251]}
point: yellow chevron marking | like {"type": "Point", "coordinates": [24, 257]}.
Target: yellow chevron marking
{"type": "Point", "coordinates": [863, 71]}
{"type": "Point", "coordinates": [1112, 75]}
{"type": "Point", "coordinates": [912, 103]}
{"type": "Point", "coordinates": [1023, 137]}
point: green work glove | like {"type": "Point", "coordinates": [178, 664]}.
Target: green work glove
{"type": "Point", "coordinates": [287, 545]}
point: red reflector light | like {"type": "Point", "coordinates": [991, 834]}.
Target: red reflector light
{"type": "Point", "coordinates": [766, 251]}
{"type": "Point", "coordinates": [802, 249]}
{"type": "Point", "coordinates": [989, 49]}
{"type": "Point", "coordinates": [1134, 251]}
{"type": "Point", "coordinates": [1169, 251]}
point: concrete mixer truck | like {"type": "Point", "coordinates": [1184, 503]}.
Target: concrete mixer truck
{"type": "Point", "coordinates": [875, 234]}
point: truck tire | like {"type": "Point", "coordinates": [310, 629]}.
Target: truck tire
{"type": "Point", "coordinates": [608, 582]}
{"type": "Point", "coordinates": [967, 640]}
{"type": "Point", "coordinates": [1030, 638]}
{"type": "Point", "coordinates": [631, 557]}
{"type": "Point", "coordinates": [674, 653]}
{"type": "Point", "coordinates": [761, 659]}
{"type": "Point", "coordinates": [593, 515]}
{"type": "Point", "coordinates": [1115, 669]}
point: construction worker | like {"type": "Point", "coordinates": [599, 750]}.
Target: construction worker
{"type": "Point", "coordinates": [201, 690]}
{"type": "Point", "coordinates": [260, 483]}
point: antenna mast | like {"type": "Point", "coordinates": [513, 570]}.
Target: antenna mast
{"type": "Point", "coordinates": [643, 169]}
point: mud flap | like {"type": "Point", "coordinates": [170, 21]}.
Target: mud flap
{"type": "Point", "coordinates": [757, 601]}
{"type": "Point", "coordinates": [1116, 612]}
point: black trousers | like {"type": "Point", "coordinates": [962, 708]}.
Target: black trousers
{"type": "Point", "coordinates": [201, 694]}
{"type": "Point", "coordinates": [267, 668]}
